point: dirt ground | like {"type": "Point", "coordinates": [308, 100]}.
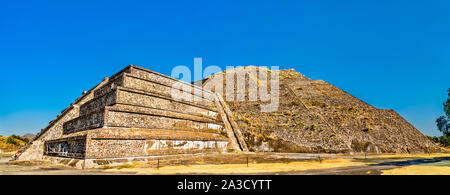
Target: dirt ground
{"type": "Point", "coordinates": [266, 164]}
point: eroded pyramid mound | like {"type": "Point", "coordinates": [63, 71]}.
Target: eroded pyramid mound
{"type": "Point", "coordinates": [315, 116]}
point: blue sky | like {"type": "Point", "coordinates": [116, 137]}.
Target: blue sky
{"type": "Point", "coordinates": [391, 54]}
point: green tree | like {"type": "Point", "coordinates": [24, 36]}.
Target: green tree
{"type": "Point", "coordinates": [443, 122]}
{"type": "Point", "coordinates": [447, 105]}
{"type": "Point", "coordinates": [445, 140]}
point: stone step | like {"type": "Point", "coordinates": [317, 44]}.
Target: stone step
{"type": "Point", "coordinates": [89, 121]}
{"type": "Point", "coordinates": [161, 112]}
{"type": "Point", "coordinates": [101, 148]}
{"type": "Point", "coordinates": [127, 96]}
{"type": "Point", "coordinates": [140, 117]}
{"type": "Point", "coordinates": [146, 133]}
{"type": "Point", "coordinates": [158, 119]}
{"type": "Point", "coordinates": [166, 80]}
{"type": "Point", "coordinates": [189, 93]}
{"type": "Point", "coordinates": [131, 82]}
{"type": "Point", "coordinates": [146, 80]}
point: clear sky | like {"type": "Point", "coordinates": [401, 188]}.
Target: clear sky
{"type": "Point", "coordinates": [391, 54]}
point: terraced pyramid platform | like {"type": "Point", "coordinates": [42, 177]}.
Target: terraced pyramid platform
{"type": "Point", "coordinates": [132, 114]}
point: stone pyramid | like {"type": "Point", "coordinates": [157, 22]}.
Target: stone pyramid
{"type": "Point", "coordinates": [132, 114]}
{"type": "Point", "coordinates": [317, 117]}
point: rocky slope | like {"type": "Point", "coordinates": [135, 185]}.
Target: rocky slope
{"type": "Point", "coordinates": [315, 116]}
{"type": "Point", "coordinates": [29, 136]}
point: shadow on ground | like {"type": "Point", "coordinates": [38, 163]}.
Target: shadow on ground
{"type": "Point", "coordinates": [413, 162]}
{"type": "Point", "coordinates": [374, 169]}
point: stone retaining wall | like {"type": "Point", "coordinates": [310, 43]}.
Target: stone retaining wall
{"type": "Point", "coordinates": [121, 95]}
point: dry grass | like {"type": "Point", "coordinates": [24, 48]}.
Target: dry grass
{"type": "Point", "coordinates": [419, 170]}
{"type": "Point", "coordinates": [243, 169]}
{"type": "Point", "coordinates": [443, 147]}
{"type": "Point", "coordinates": [7, 154]}
{"type": "Point", "coordinates": [10, 148]}
{"type": "Point", "coordinates": [275, 166]}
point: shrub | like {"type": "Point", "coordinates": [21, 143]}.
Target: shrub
{"type": "Point", "coordinates": [26, 140]}
{"type": "Point", "coordinates": [11, 140]}
{"type": "Point", "coordinates": [434, 139]}
{"type": "Point", "coordinates": [443, 140]}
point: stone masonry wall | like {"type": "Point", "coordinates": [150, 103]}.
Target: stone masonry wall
{"type": "Point", "coordinates": [128, 96]}
{"type": "Point", "coordinates": [168, 81]}
{"type": "Point", "coordinates": [85, 122]}
{"type": "Point", "coordinates": [138, 120]}
{"type": "Point", "coordinates": [115, 148]}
